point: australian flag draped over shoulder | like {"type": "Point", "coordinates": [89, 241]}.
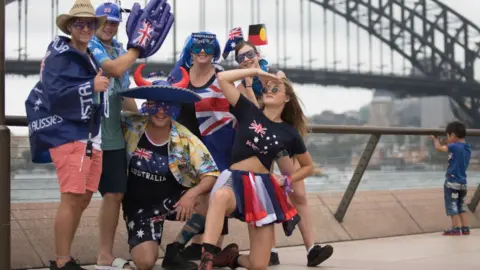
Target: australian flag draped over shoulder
{"type": "Point", "coordinates": [235, 36]}
{"type": "Point", "coordinates": [216, 124]}
{"type": "Point", "coordinates": [62, 102]}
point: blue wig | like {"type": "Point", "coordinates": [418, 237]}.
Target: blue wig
{"type": "Point", "coordinates": [186, 56]}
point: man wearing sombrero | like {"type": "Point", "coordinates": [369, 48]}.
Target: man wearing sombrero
{"type": "Point", "coordinates": [170, 171]}
{"type": "Point", "coordinates": [65, 107]}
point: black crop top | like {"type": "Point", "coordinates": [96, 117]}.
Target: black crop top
{"type": "Point", "coordinates": [259, 136]}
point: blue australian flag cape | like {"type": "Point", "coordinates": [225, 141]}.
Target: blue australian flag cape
{"type": "Point", "coordinates": [62, 104]}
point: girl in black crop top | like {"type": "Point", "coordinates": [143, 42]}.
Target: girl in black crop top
{"type": "Point", "coordinates": [247, 191]}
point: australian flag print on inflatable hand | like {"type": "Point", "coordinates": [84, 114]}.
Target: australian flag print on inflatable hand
{"type": "Point", "coordinates": [147, 28]}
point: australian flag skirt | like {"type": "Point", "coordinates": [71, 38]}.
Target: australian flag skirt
{"type": "Point", "coordinates": [260, 199]}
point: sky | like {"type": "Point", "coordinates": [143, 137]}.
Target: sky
{"type": "Point", "coordinates": [330, 46]}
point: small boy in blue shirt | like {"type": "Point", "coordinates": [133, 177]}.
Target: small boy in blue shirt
{"type": "Point", "coordinates": [455, 188]}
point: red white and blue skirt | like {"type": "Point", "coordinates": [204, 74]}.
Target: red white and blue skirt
{"type": "Point", "coordinates": [260, 199]}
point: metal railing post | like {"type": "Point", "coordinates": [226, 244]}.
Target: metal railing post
{"type": "Point", "coordinates": [357, 177]}
{"type": "Point", "coordinates": [475, 200]}
{"type": "Point", "coordinates": [5, 251]}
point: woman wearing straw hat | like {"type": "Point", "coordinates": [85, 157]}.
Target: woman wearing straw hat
{"type": "Point", "coordinates": [65, 107]}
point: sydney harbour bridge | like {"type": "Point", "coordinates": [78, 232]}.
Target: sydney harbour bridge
{"type": "Point", "coordinates": [412, 48]}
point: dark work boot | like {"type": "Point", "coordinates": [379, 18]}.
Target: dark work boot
{"type": "Point", "coordinates": [226, 257]}
{"type": "Point", "coordinates": [173, 260]}
{"type": "Point", "coordinates": [193, 252]}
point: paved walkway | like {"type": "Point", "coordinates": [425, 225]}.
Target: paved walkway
{"type": "Point", "coordinates": [414, 252]}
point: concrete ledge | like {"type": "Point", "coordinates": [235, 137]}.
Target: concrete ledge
{"type": "Point", "coordinates": [372, 214]}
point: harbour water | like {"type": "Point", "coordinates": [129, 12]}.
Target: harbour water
{"type": "Point", "coordinates": [44, 187]}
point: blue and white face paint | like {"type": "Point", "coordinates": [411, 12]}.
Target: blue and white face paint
{"type": "Point", "coordinates": [153, 107]}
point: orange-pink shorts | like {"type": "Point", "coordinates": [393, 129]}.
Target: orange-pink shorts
{"type": "Point", "coordinates": [74, 175]}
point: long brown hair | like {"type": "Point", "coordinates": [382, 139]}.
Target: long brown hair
{"type": "Point", "coordinates": [292, 112]}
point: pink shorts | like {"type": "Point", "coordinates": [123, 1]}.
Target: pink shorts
{"type": "Point", "coordinates": [74, 175]}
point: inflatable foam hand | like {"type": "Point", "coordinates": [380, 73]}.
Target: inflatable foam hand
{"type": "Point", "coordinates": [148, 28]}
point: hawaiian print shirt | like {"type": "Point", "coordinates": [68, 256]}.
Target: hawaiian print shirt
{"type": "Point", "coordinates": [188, 158]}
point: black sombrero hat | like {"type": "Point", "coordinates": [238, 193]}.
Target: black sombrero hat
{"type": "Point", "coordinates": [161, 90]}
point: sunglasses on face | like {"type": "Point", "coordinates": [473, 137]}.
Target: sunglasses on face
{"type": "Point", "coordinates": [152, 108]}
{"type": "Point", "coordinates": [274, 90]}
{"type": "Point", "coordinates": [209, 49]}
{"type": "Point", "coordinates": [80, 24]}
{"type": "Point", "coordinates": [242, 57]}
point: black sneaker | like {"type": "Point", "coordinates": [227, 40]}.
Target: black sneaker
{"type": "Point", "coordinates": [70, 265]}
{"type": "Point", "coordinates": [173, 260]}
{"type": "Point", "coordinates": [319, 254]}
{"type": "Point", "coordinates": [192, 253]}
{"type": "Point", "coordinates": [274, 259]}
{"type": "Point", "coordinates": [289, 226]}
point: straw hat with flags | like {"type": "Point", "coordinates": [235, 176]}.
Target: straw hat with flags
{"type": "Point", "coordinates": [80, 9]}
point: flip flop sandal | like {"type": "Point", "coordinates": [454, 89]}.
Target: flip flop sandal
{"type": "Point", "coordinates": [117, 264]}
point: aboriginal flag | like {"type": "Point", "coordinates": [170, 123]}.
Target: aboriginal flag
{"type": "Point", "coordinates": [257, 34]}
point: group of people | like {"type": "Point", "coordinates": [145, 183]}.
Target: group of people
{"type": "Point", "coordinates": [200, 149]}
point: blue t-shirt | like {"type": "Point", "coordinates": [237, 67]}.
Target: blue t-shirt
{"type": "Point", "coordinates": [458, 160]}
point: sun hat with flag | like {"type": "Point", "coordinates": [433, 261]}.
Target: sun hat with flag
{"type": "Point", "coordinates": [161, 90]}
{"type": "Point", "coordinates": [80, 9]}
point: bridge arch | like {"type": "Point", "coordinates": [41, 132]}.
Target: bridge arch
{"type": "Point", "coordinates": [455, 30]}
{"type": "Point", "coordinates": [368, 16]}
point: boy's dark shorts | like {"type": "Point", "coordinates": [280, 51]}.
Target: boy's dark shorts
{"type": "Point", "coordinates": [114, 172]}
{"type": "Point", "coordinates": [455, 195]}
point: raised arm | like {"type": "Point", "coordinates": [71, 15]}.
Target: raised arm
{"type": "Point", "coordinates": [113, 67]}
{"type": "Point", "coordinates": [438, 145]}
{"type": "Point", "coordinates": [118, 67]}
{"type": "Point", "coordinates": [226, 80]}
{"type": "Point", "coordinates": [248, 93]}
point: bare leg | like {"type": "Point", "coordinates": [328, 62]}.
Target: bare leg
{"type": "Point", "coordinates": [464, 219]}
{"type": "Point", "coordinates": [259, 256]}
{"type": "Point", "coordinates": [455, 221]}
{"type": "Point", "coordinates": [145, 255]}
{"type": "Point", "coordinates": [108, 221]}
{"type": "Point", "coordinates": [66, 223]}
{"type": "Point", "coordinates": [300, 201]}
{"type": "Point", "coordinates": [222, 204]}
